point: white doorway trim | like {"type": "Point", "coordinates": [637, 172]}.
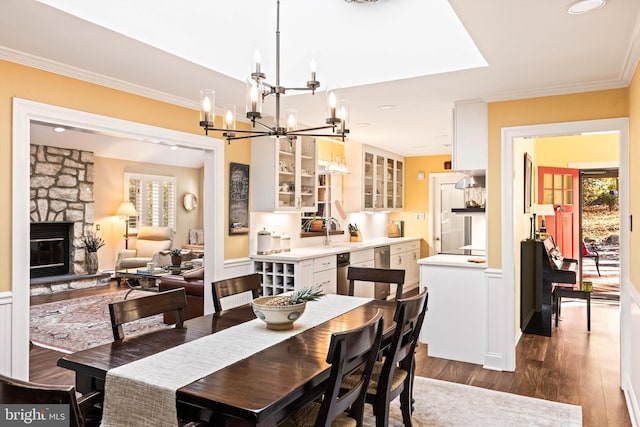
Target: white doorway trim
{"type": "Point", "coordinates": [26, 111]}
{"type": "Point", "coordinates": [508, 233]}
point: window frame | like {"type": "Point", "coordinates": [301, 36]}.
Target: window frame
{"type": "Point", "coordinates": [140, 201]}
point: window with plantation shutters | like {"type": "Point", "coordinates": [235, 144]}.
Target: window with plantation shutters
{"type": "Point", "coordinates": [154, 197]}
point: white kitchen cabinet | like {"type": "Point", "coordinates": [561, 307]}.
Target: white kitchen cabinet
{"type": "Point", "coordinates": [405, 256]}
{"type": "Point", "coordinates": [284, 276]}
{"type": "Point", "coordinates": [470, 136]}
{"type": "Point", "coordinates": [325, 275]}
{"type": "Point", "coordinates": [283, 175]}
{"type": "Point", "coordinates": [376, 181]}
{"type": "Point", "coordinates": [455, 324]}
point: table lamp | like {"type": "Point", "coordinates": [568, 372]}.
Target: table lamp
{"type": "Point", "coordinates": [543, 211]}
{"type": "Point", "coordinates": [125, 211]}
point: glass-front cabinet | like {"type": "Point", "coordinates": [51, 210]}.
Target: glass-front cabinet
{"type": "Point", "coordinates": [380, 186]}
{"type": "Point", "coordinates": [283, 174]}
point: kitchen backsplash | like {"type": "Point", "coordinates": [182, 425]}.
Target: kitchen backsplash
{"type": "Point", "coordinates": [371, 226]}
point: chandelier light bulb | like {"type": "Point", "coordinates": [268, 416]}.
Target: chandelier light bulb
{"type": "Point", "coordinates": [257, 58]}
{"type": "Point", "coordinates": [332, 105]}
{"type": "Point", "coordinates": [229, 118]}
{"type": "Point", "coordinates": [292, 120]}
{"type": "Point", "coordinates": [254, 97]}
{"type": "Point", "coordinates": [207, 107]}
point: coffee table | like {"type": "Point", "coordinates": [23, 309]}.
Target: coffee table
{"type": "Point", "coordinates": [145, 280]}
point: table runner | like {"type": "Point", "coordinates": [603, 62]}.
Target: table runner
{"type": "Point", "coordinates": [142, 393]}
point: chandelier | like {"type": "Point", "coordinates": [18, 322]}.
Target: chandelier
{"type": "Point", "coordinates": [257, 90]}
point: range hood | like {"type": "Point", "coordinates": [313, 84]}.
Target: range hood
{"type": "Point", "coordinates": [474, 194]}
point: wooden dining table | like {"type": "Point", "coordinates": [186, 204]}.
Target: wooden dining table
{"type": "Point", "coordinates": [258, 390]}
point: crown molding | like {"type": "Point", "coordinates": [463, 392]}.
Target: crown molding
{"type": "Point", "coordinates": [91, 77]}
{"type": "Point", "coordinates": [555, 90]}
{"type": "Point", "coordinates": [633, 55]}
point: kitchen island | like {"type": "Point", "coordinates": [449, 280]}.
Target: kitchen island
{"type": "Point", "coordinates": [455, 326]}
{"type": "Point", "coordinates": [317, 265]}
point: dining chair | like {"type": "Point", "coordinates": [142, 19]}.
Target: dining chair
{"type": "Point", "coordinates": [126, 311]}
{"type": "Point", "coordinates": [393, 376]}
{"type": "Point", "coordinates": [82, 410]}
{"type": "Point", "coordinates": [234, 286]}
{"type": "Point", "coordinates": [348, 351]}
{"type": "Point", "coordinates": [376, 275]}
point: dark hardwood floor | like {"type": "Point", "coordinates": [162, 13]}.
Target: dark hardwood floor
{"type": "Point", "coordinates": [573, 366]}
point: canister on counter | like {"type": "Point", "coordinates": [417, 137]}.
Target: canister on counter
{"type": "Point", "coordinates": [264, 242]}
{"type": "Point", "coordinates": [285, 243]}
{"type": "Point", "coordinates": [275, 243]}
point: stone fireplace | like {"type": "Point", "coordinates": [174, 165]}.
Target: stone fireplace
{"type": "Point", "coordinates": [61, 193]}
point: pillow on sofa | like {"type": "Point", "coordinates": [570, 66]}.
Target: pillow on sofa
{"type": "Point", "coordinates": [196, 273]}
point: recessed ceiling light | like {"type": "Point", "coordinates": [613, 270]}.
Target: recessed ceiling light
{"type": "Point", "coordinates": [174, 147]}
{"type": "Point", "coordinates": [363, 125]}
{"type": "Point", "coordinates": [585, 6]}
{"type": "Point", "coordinates": [386, 107]}
{"type": "Point", "coordinates": [58, 129]}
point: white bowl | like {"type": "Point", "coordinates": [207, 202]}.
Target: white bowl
{"type": "Point", "coordinates": [277, 317]}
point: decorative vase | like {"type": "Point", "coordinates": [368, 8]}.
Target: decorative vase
{"type": "Point", "coordinates": [92, 262]}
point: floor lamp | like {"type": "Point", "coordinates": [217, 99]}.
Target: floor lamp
{"type": "Point", "coordinates": [125, 211]}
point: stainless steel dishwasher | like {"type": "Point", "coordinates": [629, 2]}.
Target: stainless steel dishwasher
{"type": "Point", "coordinates": [382, 259]}
{"type": "Point", "coordinates": [342, 265]}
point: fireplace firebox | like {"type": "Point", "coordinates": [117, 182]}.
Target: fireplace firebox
{"type": "Point", "coordinates": [50, 247]}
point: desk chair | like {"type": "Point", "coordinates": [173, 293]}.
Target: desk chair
{"type": "Point", "coordinates": [348, 351]}
{"type": "Point", "coordinates": [126, 311]}
{"type": "Point", "coordinates": [376, 275]}
{"type": "Point", "coordinates": [235, 286]}
{"type": "Point", "coordinates": [20, 392]}
{"type": "Point", "coordinates": [393, 376]}
{"type": "Point", "coordinates": [586, 253]}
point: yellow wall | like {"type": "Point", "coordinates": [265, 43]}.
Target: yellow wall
{"type": "Point", "coordinates": [328, 148]}
{"type": "Point", "coordinates": [416, 196]}
{"type": "Point", "coordinates": [40, 86]}
{"type": "Point", "coordinates": [552, 109]}
{"type": "Point", "coordinates": [561, 150]}
{"type": "Point", "coordinates": [634, 173]}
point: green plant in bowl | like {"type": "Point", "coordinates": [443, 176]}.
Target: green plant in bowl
{"type": "Point", "coordinates": [280, 311]}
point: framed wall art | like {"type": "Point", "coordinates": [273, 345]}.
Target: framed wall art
{"type": "Point", "coordinates": [528, 183]}
{"type": "Point", "coordinates": [238, 199]}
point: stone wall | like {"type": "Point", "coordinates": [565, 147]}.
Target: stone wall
{"type": "Point", "coordinates": [62, 190]}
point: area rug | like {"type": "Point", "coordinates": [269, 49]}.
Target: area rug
{"type": "Point", "coordinates": [81, 323]}
{"type": "Point", "coordinates": [441, 403]}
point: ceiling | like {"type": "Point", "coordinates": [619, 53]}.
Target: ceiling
{"type": "Point", "coordinates": [391, 52]}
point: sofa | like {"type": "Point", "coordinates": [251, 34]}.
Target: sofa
{"type": "Point", "coordinates": [152, 245]}
{"type": "Point", "coordinates": [194, 287]}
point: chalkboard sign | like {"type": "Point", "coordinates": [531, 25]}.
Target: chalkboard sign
{"type": "Point", "coordinates": [238, 199]}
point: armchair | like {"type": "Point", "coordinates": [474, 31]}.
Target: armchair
{"type": "Point", "coordinates": [152, 245]}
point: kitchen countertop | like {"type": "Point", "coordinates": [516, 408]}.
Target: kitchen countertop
{"type": "Point", "coordinates": [453, 261]}
{"type": "Point", "coordinates": [300, 254]}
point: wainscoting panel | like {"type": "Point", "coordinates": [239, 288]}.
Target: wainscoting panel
{"type": "Point", "coordinates": [498, 346]}
{"type": "Point", "coordinates": [633, 382]}
{"type": "Point", "coordinates": [6, 306]}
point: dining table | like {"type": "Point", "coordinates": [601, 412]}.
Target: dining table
{"type": "Point", "coordinates": [254, 386]}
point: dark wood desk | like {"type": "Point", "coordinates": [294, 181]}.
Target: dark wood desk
{"type": "Point", "coordinates": [258, 389]}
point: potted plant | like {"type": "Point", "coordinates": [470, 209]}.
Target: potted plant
{"type": "Point", "coordinates": [92, 243]}
{"type": "Point", "coordinates": [176, 257]}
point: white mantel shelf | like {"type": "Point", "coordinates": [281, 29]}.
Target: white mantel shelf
{"type": "Point", "coordinates": [301, 254]}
